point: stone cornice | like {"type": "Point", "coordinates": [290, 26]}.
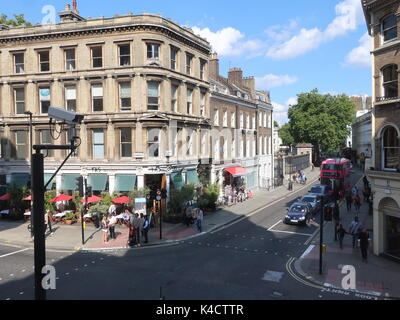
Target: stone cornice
{"type": "Point", "coordinates": [52, 34]}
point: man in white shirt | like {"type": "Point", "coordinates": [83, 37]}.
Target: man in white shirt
{"type": "Point", "coordinates": [112, 222]}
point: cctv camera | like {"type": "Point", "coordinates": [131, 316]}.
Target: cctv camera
{"type": "Point", "coordinates": [65, 115]}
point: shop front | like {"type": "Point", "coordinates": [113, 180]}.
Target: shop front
{"type": "Point", "coordinates": [234, 184]}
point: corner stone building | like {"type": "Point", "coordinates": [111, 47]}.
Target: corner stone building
{"type": "Point", "coordinates": [382, 17]}
{"type": "Point", "coordinates": [141, 81]}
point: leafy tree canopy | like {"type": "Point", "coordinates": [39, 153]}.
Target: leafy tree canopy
{"type": "Point", "coordinates": [286, 135]}
{"type": "Point", "coordinates": [276, 124]}
{"type": "Point", "coordinates": [322, 120]}
{"type": "Point", "coordinates": [19, 20]}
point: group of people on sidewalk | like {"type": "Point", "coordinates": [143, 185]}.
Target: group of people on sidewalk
{"type": "Point", "coordinates": [194, 216]}
{"type": "Point", "coordinates": [356, 229]}
{"type": "Point", "coordinates": [138, 225]}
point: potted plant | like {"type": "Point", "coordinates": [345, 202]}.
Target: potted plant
{"type": "Point", "coordinates": [70, 218]}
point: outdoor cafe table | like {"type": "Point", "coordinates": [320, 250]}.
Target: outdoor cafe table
{"type": "Point", "coordinates": [4, 212]}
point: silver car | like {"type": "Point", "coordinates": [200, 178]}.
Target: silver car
{"type": "Point", "coordinates": [313, 200]}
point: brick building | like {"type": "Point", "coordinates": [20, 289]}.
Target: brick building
{"type": "Point", "coordinates": [382, 17]}
{"type": "Point", "coordinates": [242, 130]}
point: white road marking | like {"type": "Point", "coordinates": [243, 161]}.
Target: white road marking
{"type": "Point", "coordinates": [274, 225]}
{"type": "Point", "coordinates": [273, 276]}
{"type": "Point", "coordinates": [290, 232]}
{"type": "Point", "coordinates": [15, 252]}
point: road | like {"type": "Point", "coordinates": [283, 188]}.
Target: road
{"type": "Point", "coordinates": [248, 260]}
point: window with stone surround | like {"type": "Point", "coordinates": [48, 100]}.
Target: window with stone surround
{"type": "Point", "coordinates": [21, 144]}
{"type": "Point", "coordinates": [390, 81]}
{"type": "Point", "coordinates": [125, 94]}
{"type": "Point", "coordinates": [44, 61]}
{"type": "Point", "coordinates": [124, 55]}
{"type": "Point", "coordinates": [126, 142]}
{"type": "Point", "coordinates": [153, 143]}
{"type": "Point", "coordinates": [44, 96]}
{"type": "Point", "coordinates": [97, 97]}
{"type": "Point", "coordinates": [46, 138]}
{"type": "Point", "coordinates": [391, 149]}
{"type": "Point", "coordinates": [174, 58]}
{"type": "Point", "coordinates": [389, 28]}
{"type": "Point", "coordinates": [98, 144]}
{"type": "Point", "coordinates": [153, 51]}
{"type": "Point", "coordinates": [153, 95]}
{"type": "Point", "coordinates": [97, 57]}
{"type": "Point", "coordinates": [70, 98]}
{"type": "Point", "coordinates": [190, 101]}
{"type": "Point", "coordinates": [19, 98]}
{"type": "Point", "coordinates": [174, 98]}
{"type": "Point", "coordinates": [70, 60]}
{"type": "Point", "coordinates": [19, 62]}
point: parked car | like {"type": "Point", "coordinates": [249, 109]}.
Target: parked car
{"type": "Point", "coordinates": [322, 191]}
{"type": "Point", "coordinates": [314, 200]}
{"type": "Point", "coordinates": [298, 213]}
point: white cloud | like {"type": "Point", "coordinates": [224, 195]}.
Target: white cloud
{"type": "Point", "coordinates": [229, 42]}
{"type": "Point", "coordinates": [280, 113]}
{"type": "Point", "coordinates": [360, 56]}
{"type": "Point", "coordinates": [348, 16]}
{"type": "Point", "coordinates": [272, 81]}
{"type": "Point", "coordinates": [292, 101]}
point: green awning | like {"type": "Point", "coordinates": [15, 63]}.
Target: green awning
{"type": "Point", "coordinates": [98, 182]}
{"type": "Point", "coordinates": [20, 180]}
{"type": "Point", "coordinates": [125, 182]}
{"type": "Point", "coordinates": [68, 181]}
{"type": "Point", "coordinates": [192, 177]}
{"type": "Point", "coordinates": [47, 177]}
{"type": "Point", "coordinates": [177, 179]}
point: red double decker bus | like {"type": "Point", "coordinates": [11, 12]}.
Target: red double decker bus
{"type": "Point", "coordinates": [335, 173]}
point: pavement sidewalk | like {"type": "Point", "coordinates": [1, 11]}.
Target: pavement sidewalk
{"type": "Point", "coordinates": [378, 277]}
{"type": "Point", "coordinates": [70, 237]}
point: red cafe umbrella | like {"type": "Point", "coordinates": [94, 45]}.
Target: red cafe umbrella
{"type": "Point", "coordinates": [122, 200]}
{"type": "Point", "coordinates": [62, 197]}
{"type": "Point", "coordinates": [29, 198]}
{"type": "Point", "coordinates": [92, 199]}
{"type": "Point", "coordinates": [5, 197]}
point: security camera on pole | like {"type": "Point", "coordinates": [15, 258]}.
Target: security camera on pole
{"type": "Point", "coordinates": [38, 190]}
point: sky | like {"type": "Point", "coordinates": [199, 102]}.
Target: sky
{"type": "Point", "coordinates": [290, 47]}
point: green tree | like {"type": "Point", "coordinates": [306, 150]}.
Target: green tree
{"type": "Point", "coordinates": [19, 20]}
{"type": "Point", "coordinates": [286, 135]}
{"type": "Point", "coordinates": [276, 124]}
{"type": "Point", "coordinates": [322, 120]}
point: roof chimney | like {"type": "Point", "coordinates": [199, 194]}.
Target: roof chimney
{"type": "Point", "coordinates": [235, 76]}
{"type": "Point", "coordinates": [214, 66]}
{"type": "Point", "coordinates": [74, 6]}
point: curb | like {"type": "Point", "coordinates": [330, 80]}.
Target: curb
{"type": "Point", "coordinates": [326, 286]}
{"type": "Point", "coordinates": [167, 242]}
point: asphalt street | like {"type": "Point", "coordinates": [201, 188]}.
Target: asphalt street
{"type": "Point", "coordinates": [248, 260]}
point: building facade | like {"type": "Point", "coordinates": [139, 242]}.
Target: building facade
{"type": "Point", "coordinates": [382, 17]}
{"type": "Point", "coordinates": [241, 117]}
{"type": "Point", "coordinates": [141, 81]}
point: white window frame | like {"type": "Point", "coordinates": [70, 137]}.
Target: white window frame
{"type": "Point", "coordinates": [67, 98]}
{"type": "Point", "coordinates": [174, 98]}
{"type": "Point", "coordinates": [97, 58]}
{"type": "Point", "coordinates": [41, 100]}
{"type": "Point", "coordinates": [19, 64]}
{"type": "Point", "coordinates": [70, 62]}
{"type": "Point", "coordinates": [385, 30]}
{"type": "Point", "coordinates": [122, 143]}
{"type": "Point", "coordinates": [154, 54]}
{"type": "Point", "coordinates": [93, 97]}
{"type": "Point", "coordinates": [189, 108]}
{"type": "Point", "coordinates": [121, 97]}
{"type": "Point", "coordinates": [44, 62]}
{"type": "Point", "coordinates": [94, 143]}
{"type": "Point", "coordinates": [151, 106]}
{"type": "Point", "coordinates": [16, 102]}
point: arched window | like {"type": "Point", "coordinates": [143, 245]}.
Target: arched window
{"type": "Point", "coordinates": [390, 81]}
{"type": "Point", "coordinates": [389, 28]}
{"type": "Point", "coordinates": [391, 148]}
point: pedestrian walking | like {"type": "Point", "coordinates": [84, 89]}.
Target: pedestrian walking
{"type": "Point", "coordinates": [104, 228]}
{"type": "Point", "coordinates": [146, 228]}
{"type": "Point", "coordinates": [355, 191]}
{"type": "Point", "coordinates": [199, 219]}
{"type": "Point", "coordinates": [47, 221]}
{"type": "Point", "coordinates": [366, 182]}
{"type": "Point", "coordinates": [341, 232]}
{"type": "Point", "coordinates": [364, 244]}
{"type": "Point", "coordinates": [111, 225]}
{"type": "Point", "coordinates": [137, 227]}
{"type": "Point", "coordinates": [357, 203]}
{"type": "Point", "coordinates": [349, 202]}
{"type": "Point", "coordinates": [354, 230]}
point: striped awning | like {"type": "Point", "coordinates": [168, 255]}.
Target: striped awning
{"type": "Point", "coordinates": [98, 182]}
{"type": "Point", "coordinates": [177, 179]}
{"type": "Point", "coordinates": [125, 182]}
{"type": "Point", "coordinates": [68, 181]}
{"type": "Point", "coordinates": [192, 177]}
{"type": "Point", "coordinates": [20, 180]}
